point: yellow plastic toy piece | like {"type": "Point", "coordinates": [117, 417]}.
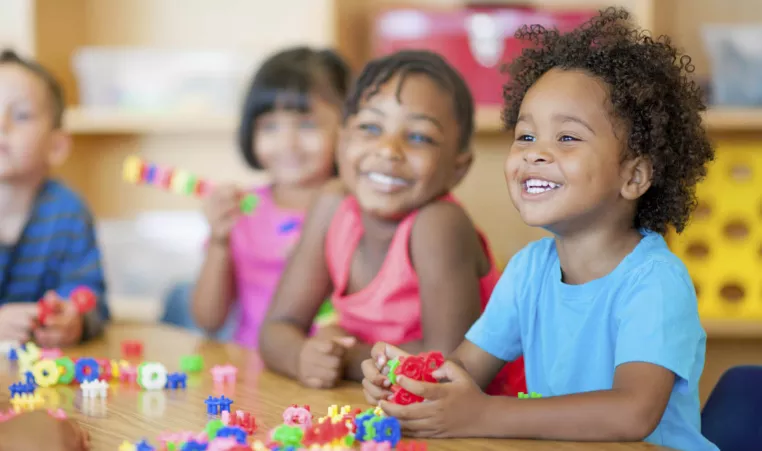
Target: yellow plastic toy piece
{"type": "Point", "coordinates": [45, 373]}
{"type": "Point", "coordinates": [127, 446]}
{"type": "Point", "coordinates": [722, 245]}
{"type": "Point", "coordinates": [179, 181]}
{"type": "Point", "coordinates": [27, 400]}
{"type": "Point", "coordinates": [28, 356]}
{"type": "Point", "coordinates": [133, 166]}
{"type": "Point", "coordinates": [116, 367]}
{"type": "Point", "coordinates": [379, 412]}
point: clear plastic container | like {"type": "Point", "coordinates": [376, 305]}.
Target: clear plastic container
{"type": "Point", "coordinates": [161, 80]}
{"type": "Point", "coordinates": [735, 52]}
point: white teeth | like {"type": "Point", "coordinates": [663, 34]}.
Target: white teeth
{"type": "Point", "coordinates": [385, 179]}
{"type": "Point", "coordinates": [537, 186]}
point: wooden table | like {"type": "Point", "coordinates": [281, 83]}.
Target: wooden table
{"type": "Point", "coordinates": [131, 414]}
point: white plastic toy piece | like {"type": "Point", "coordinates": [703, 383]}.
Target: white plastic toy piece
{"type": "Point", "coordinates": [7, 345]}
{"type": "Point", "coordinates": [152, 376]}
{"type": "Point", "coordinates": [94, 389]}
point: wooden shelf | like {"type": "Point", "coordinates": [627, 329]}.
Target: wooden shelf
{"type": "Point", "coordinates": [86, 121]}
{"type": "Point", "coordinates": [91, 121]}
{"type": "Point", "coordinates": [732, 328]}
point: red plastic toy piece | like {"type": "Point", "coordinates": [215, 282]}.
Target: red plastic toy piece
{"type": "Point", "coordinates": [44, 309]}
{"type": "Point", "coordinates": [104, 369]}
{"type": "Point", "coordinates": [403, 397]}
{"type": "Point", "coordinates": [84, 299]}
{"type": "Point", "coordinates": [411, 446]}
{"type": "Point", "coordinates": [418, 368]}
{"type": "Point", "coordinates": [132, 348]}
{"type": "Point", "coordinates": [244, 420]}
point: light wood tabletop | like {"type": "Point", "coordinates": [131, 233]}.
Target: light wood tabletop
{"type": "Point", "coordinates": [132, 414]}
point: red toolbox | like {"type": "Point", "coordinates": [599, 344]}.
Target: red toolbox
{"type": "Point", "coordinates": [476, 40]}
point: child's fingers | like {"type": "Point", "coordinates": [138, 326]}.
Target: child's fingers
{"type": "Point", "coordinates": [374, 391]}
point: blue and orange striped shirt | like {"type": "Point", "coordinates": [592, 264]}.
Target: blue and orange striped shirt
{"type": "Point", "coordinates": [57, 250]}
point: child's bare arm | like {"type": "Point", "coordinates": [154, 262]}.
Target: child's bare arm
{"type": "Point", "coordinates": [630, 411]}
{"type": "Point", "coordinates": [304, 286]}
{"type": "Point", "coordinates": [214, 292]}
{"type": "Point", "coordinates": [445, 252]}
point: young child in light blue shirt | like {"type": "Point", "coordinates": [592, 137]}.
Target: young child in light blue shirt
{"type": "Point", "coordinates": [608, 149]}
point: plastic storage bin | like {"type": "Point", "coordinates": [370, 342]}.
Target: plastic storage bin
{"type": "Point", "coordinates": [736, 58]}
{"type": "Point", "coordinates": [161, 80]}
{"type": "Point", "coordinates": [477, 40]}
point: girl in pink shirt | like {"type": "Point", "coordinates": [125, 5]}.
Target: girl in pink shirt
{"type": "Point", "coordinates": [291, 118]}
{"type": "Point", "coordinates": [400, 258]}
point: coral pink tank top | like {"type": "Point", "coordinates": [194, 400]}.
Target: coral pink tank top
{"type": "Point", "coordinates": [389, 308]}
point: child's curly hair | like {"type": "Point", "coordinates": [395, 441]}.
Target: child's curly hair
{"type": "Point", "coordinates": [649, 89]}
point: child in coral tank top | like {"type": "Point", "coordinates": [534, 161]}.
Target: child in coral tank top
{"type": "Point", "coordinates": [399, 257]}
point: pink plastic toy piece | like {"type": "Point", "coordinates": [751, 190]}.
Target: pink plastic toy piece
{"type": "Point", "coordinates": [225, 417]}
{"type": "Point", "coordinates": [222, 444]}
{"type": "Point", "coordinates": [224, 374]}
{"type": "Point", "coordinates": [373, 446]}
{"type": "Point", "coordinates": [51, 354]}
{"type": "Point", "coordinates": [4, 416]}
{"type": "Point", "coordinates": [177, 437]}
{"type": "Point", "coordinates": [298, 416]}
{"type": "Point", "coordinates": [128, 374]}
{"type": "Point", "coordinates": [58, 414]}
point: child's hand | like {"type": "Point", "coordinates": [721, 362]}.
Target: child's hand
{"type": "Point", "coordinates": [452, 407]}
{"type": "Point", "coordinates": [222, 209]}
{"type": "Point", "coordinates": [375, 383]}
{"type": "Point", "coordinates": [63, 327]}
{"type": "Point", "coordinates": [23, 432]}
{"type": "Point", "coordinates": [17, 321]}
{"type": "Point", "coordinates": [321, 361]}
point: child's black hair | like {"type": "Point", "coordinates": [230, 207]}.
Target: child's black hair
{"type": "Point", "coordinates": [55, 91]}
{"type": "Point", "coordinates": [286, 80]}
{"type": "Point", "coordinates": [406, 62]}
{"type": "Point", "coordinates": [650, 90]}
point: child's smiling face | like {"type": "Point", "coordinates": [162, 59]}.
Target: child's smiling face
{"type": "Point", "coordinates": [400, 150]}
{"type": "Point", "coordinates": [564, 171]}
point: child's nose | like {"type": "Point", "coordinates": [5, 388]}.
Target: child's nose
{"type": "Point", "coordinates": [537, 155]}
{"type": "Point", "coordinates": [391, 149]}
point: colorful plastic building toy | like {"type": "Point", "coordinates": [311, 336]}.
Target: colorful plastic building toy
{"type": "Point", "coordinates": [176, 380]}
{"type": "Point", "coordinates": [233, 431]}
{"type": "Point", "coordinates": [152, 376]}
{"type": "Point", "coordinates": [225, 403]}
{"type": "Point", "coordinates": [94, 389]}
{"type": "Point", "coordinates": [86, 369]}
{"type": "Point", "coordinates": [20, 388]}
{"type": "Point", "coordinates": [286, 435]}
{"type": "Point", "coordinates": [298, 416]}
{"type": "Point", "coordinates": [127, 446]}
{"type": "Point", "coordinates": [128, 374]}
{"type": "Point", "coordinates": [66, 370]}
{"type": "Point", "coordinates": [27, 400]}
{"type": "Point", "coordinates": [178, 181]}
{"type": "Point", "coordinates": [224, 374]}
{"type": "Point", "coordinates": [144, 446]}
{"type": "Point", "coordinates": [191, 363]}
{"type": "Point", "coordinates": [132, 348]}
{"type": "Point", "coordinates": [13, 355]}
{"type": "Point", "coordinates": [523, 395]}
{"type": "Point", "coordinates": [45, 373]}
{"type": "Point", "coordinates": [212, 405]}
{"type": "Point", "coordinates": [418, 368]}
{"type": "Point", "coordinates": [84, 299]}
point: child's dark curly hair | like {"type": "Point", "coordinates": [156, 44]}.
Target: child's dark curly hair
{"type": "Point", "coordinates": [650, 90]}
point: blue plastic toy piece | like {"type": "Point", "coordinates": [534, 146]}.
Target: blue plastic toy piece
{"type": "Point", "coordinates": [82, 365]}
{"type": "Point", "coordinates": [388, 430]}
{"type": "Point", "coordinates": [360, 426]}
{"type": "Point", "coordinates": [151, 173]}
{"type": "Point", "coordinates": [13, 355]}
{"type": "Point", "coordinates": [144, 446]}
{"type": "Point", "coordinates": [194, 446]}
{"type": "Point", "coordinates": [176, 380]}
{"type": "Point", "coordinates": [289, 226]}
{"type": "Point", "coordinates": [212, 405]}
{"type": "Point", "coordinates": [225, 403]}
{"type": "Point", "coordinates": [233, 431]}
{"type": "Point", "coordinates": [20, 388]}
{"type": "Point", "coordinates": [30, 378]}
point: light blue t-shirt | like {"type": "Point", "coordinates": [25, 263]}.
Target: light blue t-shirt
{"type": "Point", "coordinates": [574, 336]}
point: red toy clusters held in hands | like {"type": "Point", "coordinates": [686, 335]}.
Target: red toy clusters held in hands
{"type": "Point", "coordinates": [415, 367]}
{"type": "Point", "coordinates": [82, 297]}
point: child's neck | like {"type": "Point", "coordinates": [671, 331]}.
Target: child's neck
{"type": "Point", "coordinates": [17, 198]}
{"type": "Point", "coordinates": [592, 254]}
{"type": "Point", "coordinates": [294, 197]}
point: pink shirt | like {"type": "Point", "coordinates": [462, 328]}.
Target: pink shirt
{"type": "Point", "coordinates": [260, 244]}
{"type": "Point", "coordinates": [389, 308]}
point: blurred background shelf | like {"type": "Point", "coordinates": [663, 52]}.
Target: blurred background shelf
{"type": "Point", "coordinates": [91, 121]}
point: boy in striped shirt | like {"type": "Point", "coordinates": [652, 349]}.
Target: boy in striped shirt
{"type": "Point", "coordinates": [47, 240]}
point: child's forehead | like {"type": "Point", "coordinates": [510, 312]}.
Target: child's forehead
{"type": "Point", "coordinates": [414, 91]}
{"type": "Point", "coordinates": [18, 82]}
{"type": "Point", "coordinates": [572, 90]}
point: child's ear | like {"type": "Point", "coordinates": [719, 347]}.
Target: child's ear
{"type": "Point", "coordinates": [60, 146]}
{"type": "Point", "coordinates": [637, 175]}
{"type": "Point", "coordinates": [463, 162]}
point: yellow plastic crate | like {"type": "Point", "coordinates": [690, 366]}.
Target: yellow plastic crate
{"type": "Point", "coordinates": [722, 245]}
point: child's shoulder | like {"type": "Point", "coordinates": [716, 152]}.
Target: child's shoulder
{"type": "Point", "coordinates": [60, 198]}
{"type": "Point", "coordinates": [653, 263]}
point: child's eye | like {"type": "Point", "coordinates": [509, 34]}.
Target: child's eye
{"type": "Point", "coordinates": [419, 138]}
{"type": "Point", "coordinates": [370, 129]}
{"type": "Point", "coordinates": [308, 123]}
{"type": "Point", "coordinates": [269, 126]}
{"type": "Point", "coordinates": [567, 138]}
{"type": "Point", "coordinates": [22, 115]}
{"type": "Point", "coordinates": [525, 138]}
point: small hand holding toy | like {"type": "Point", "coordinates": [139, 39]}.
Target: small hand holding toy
{"type": "Point", "coordinates": [419, 367]}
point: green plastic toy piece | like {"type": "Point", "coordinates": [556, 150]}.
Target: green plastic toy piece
{"type": "Point", "coordinates": [190, 185]}
{"type": "Point", "coordinates": [171, 446]}
{"type": "Point", "coordinates": [288, 435]}
{"type": "Point", "coordinates": [249, 203]}
{"type": "Point", "coordinates": [213, 427]}
{"type": "Point", "coordinates": [349, 440]}
{"type": "Point", "coordinates": [191, 363]}
{"type": "Point", "coordinates": [523, 395]}
{"type": "Point", "coordinates": [393, 364]}
{"type": "Point", "coordinates": [67, 375]}
{"type": "Point", "coordinates": [370, 428]}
